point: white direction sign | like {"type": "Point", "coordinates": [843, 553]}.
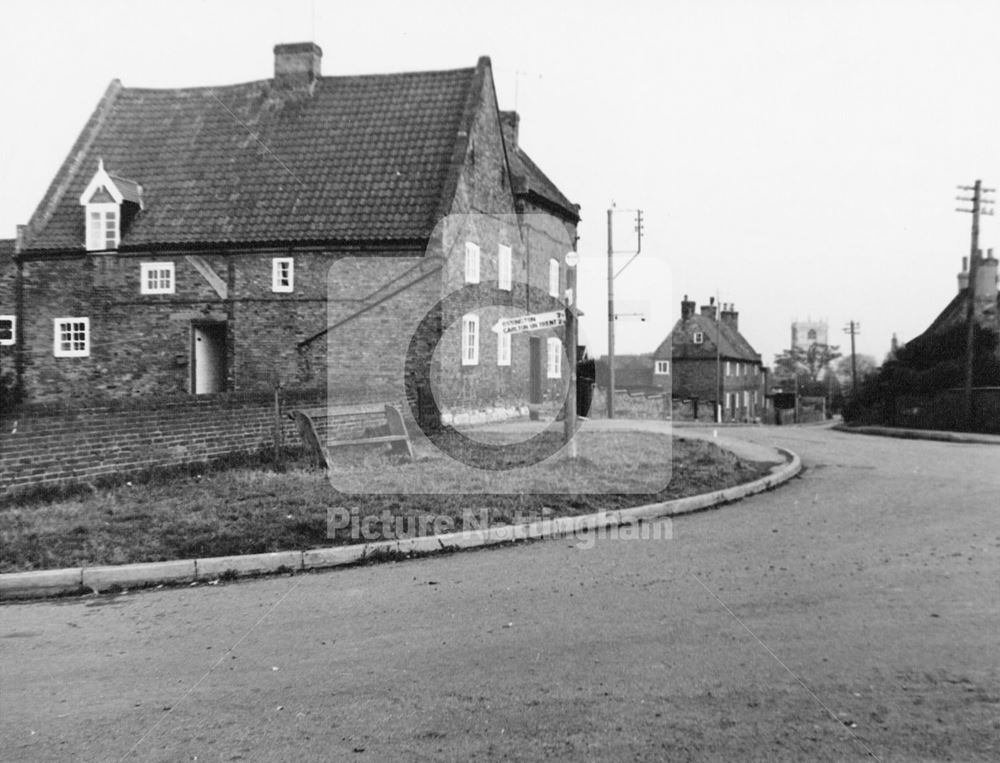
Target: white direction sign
{"type": "Point", "coordinates": [530, 322]}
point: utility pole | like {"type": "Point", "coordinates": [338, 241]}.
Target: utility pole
{"type": "Point", "coordinates": [719, 407]}
{"type": "Point", "coordinates": [853, 328]}
{"type": "Point", "coordinates": [978, 202]}
{"type": "Point", "coordinates": [611, 317]}
{"type": "Point", "coordinates": [612, 275]}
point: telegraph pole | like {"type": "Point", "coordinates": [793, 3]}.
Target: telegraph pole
{"type": "Point", "coordinates": [611, 318]}
{"type": "Point", "coordinates": [978, 203]}
{"type": "Point", "coordinates": [612, 275]}
{"type": "Point", "coordinates": [853, 328]}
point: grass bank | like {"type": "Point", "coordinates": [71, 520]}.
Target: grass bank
{"type": "Point", "coordinates": [220, 512]}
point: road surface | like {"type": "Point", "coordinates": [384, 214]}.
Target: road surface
{"type": "Point", "coordinates": [853, 614]}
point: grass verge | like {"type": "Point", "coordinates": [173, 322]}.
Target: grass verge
{"type": "Point", "coordinates": [242, 510]}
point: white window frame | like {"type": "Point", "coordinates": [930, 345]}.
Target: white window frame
{"type": "Point", "coordinates": [283, 283]}
{"type": "Point", "coordinates": [554, 277]}
{"type": "Point", "coordinates": [146, 268]}
{"type": "Point", "coordinates": [698, 337]}
{"type": "Point", "coordinates": [471, 262]}
{"type": "Point", "coordinates": [58, 340]}
{"type": "Point", "coordinates": [505, 267]}
{"type": "Point", "coordinates": [661, 367]}
{"type": "Point", "coordinates": [109, 214]}
{"type": "Point", "coordinates": [728, 369]}
{"type": "Point", "coordinates": [504, 343]}
{"type": "Point", "coordinates": [12, 319]}
{"type": "Point", "coordinates": [470, 339]}
{"type": "Point", "coordinates": [555, 352]}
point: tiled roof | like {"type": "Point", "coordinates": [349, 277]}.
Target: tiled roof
{"type": "Point", "coordinates": [363, 158]}
{"type": "Point", "coordinates": [129, 189]}
{"type": "Point", "coordinates": [679, 344]}
{"type": "Point", "coordinates": [529, 177]}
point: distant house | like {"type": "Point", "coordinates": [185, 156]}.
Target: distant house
{"type": "Point", "coordinates": [302, 231]}
{"type": "Point", "coordinates": [706, 356]}
{"type": "Point", "coordinates": [8, 320]}
{"type": "Point", "coordinates": [8, 279]}
{"type": "Point", "coordinates": [987, 300]}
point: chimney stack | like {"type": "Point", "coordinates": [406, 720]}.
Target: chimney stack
{"type": "Point", "coordinates": [730, 316]}
{"type": "Point", "coordinates": [687, 308]}
{"type": "Point", "coordinates": [986, 277]}
{"type": "Point", "coordinates": [709, 310]}
{"type": "Point", "coordinates": [297, 65]}
{"type": "Point", "coordinates": [509, 123]}
{"type": "Point", "coordinates": [963, 276]}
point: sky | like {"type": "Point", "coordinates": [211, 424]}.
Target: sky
{"type": "Point", "coordinates": [797, 158]}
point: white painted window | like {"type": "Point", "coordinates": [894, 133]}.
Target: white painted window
{"type": "Point", "coordinates": [505, 267]}
{"type": "Point", "coordinates": [471, 262]}
{"type": "Point", "coordinates": [8, 330]}
{"type": "Point", "coordinates": [102, 226]}
{"type": "Point", "coordinates": [156, 278]}
{"type": "Point", "coordinates": [698, 337]}
{"type": "Point", "coordinates": [71, 337]}
{"type": "Point", "coordinates": [503, 349]}
{"type": "Point", "coordinates": [554, 277]}
{"type": "Point", "coordinates": [728, 369]}
{"type": "Point", "coordinates": [554, 367]}
{"type": "Point", "coordinates": [661, 367]}
{"type": "Point", "coordinates": [283, 274]}
{"type": "Point", "coordinates": [470, 340]}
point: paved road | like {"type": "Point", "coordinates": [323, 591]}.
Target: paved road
{"type": "Point", "coordinates": [852, 614]}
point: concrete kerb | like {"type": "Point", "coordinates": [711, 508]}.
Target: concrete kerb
{"type": "Point", "coordinates": [921, 434]}
{"type": "Point", "coordinates": [30, 585]}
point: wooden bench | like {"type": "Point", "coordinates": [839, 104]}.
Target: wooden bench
{"type": "Point", "coordinates": [398, 438]}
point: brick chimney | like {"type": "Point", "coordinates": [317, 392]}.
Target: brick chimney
{"type": "Point", "coordinates": [297, 65]}
{"type": "Point", "coordinates": [963, 276]}
{"type": "Point", "coordinates": [986, 276]}
{"type": "Point", "coordinates": [687, 308]}
{"type": "Point", "coordinates": [509, 122]}
{"type": "Point", "coordinates": [730, 316]}
{"type": "Point", "coordinates": [709, 310]}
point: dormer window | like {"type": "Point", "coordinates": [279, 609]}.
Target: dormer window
{"type": "Point", "coordinates": [102, 227]}
{"type": "Point", "coordinates": [110, 202]}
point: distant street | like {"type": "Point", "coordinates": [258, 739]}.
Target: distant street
{"type": "Point", "coordinates": [852, 614]}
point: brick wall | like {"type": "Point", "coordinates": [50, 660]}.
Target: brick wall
{"type": "Point", "coordinates": [697, 378]}
{"type": "Point", "coordinates": [50, 445]}
{"type": "Point", "coordinates": [141, 343]}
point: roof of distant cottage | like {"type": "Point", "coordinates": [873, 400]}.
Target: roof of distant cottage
{"type": "Point", "coordinates": [680, 344]}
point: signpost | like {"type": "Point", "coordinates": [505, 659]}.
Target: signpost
{"type": "Point", "coordinates": [534, 322]}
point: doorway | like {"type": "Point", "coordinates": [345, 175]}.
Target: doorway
{"type": "Point", "coordinates": [535, 360]}
{"type": "Point", "coordinates": [208, 358]}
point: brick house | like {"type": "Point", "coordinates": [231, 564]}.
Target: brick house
{"type": "Point", "coordinates": [304, 231]}
{"type": "Point", "coordinates": [705, 353]}
{"type": "Point", "coordinates": [8, 321]}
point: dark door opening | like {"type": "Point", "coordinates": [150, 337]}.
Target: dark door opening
{"type": "Point", "coordinates": [208, 358]}
{"type": "Point", "coordinates": [535, 362]}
